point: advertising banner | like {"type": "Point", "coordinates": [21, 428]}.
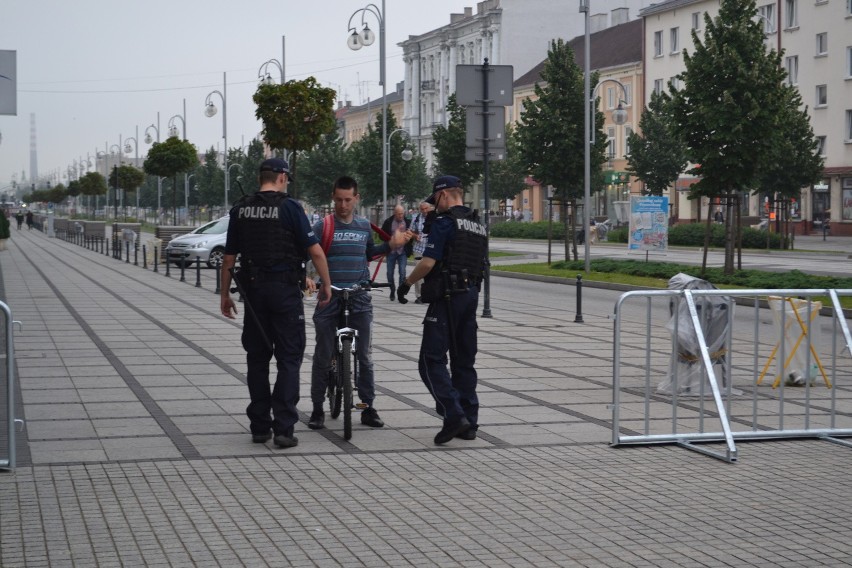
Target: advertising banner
{"type": "Point", "coordinates": [649, 223]}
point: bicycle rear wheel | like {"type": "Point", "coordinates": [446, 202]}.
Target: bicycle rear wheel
{"type": "Point", "coordinates": [346, 376]}
{"type": "Point", "coordinates": [335, 392]}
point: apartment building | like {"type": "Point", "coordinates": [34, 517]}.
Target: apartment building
{"type": "Point", "coordinates": [816, 36]}
{"type": "Point", "coordinates": [507, 32]}
{"type": "Point", "coordinates": [616, 54]}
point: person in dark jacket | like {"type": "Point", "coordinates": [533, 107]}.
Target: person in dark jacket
{"type": "Point", "coordinates": [398, 257]}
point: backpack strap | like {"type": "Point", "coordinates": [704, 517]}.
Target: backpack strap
{"type": "Point", "coordinates": [327, 232]}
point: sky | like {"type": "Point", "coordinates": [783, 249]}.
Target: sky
{"type": "Point", "coordinates": [94, 71]}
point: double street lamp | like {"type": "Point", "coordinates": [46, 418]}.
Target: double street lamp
{"type": "Point", "coordinates": [173, 131]}
{"type": "Point", "coordinates": [149, 139]}
{"type": "Point", "coordinates": [366, 37]}
{"type": "Point", "coordinates": [211, 111]}
{"type": "Point", "coordinates": [406, 154]}
{"type": "Point", "coordinates": [619, 116]}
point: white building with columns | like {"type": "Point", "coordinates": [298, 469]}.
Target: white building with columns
{"type": "Point", "coordinates": [507, 32]}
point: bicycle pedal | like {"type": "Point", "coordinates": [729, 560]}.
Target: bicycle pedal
{"type": "Point", "coordinates": [361, 406]}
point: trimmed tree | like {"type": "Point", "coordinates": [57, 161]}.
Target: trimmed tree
{"type": "Point", "coordinates": [93, 183]}
{"type": "Point", "coordinates": [727, 111]}
{"type": "Point", "coordinates": [551, 134]}
{"type": "Point", "coordinates": [295, 116]}
{"type": "Point", "coordinates": [450, 146]}
{"type": "Point", "coordinates": [320, 166]}
{"type": "Point", "coordinates": [657, 156]}
{"type": "Point", "coordinates": [170, 158]}
{"type": "Point", "coordinates": [126, 178]}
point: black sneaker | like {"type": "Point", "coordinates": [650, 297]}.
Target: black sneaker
{"type": "Point", "coordinates": [371, 418]}
{"type": "Point", "coordinates": [452, 429]}
{"type": "Point", "coordinates": [469, 434]}
{"type": "Point", "coordinates": [317, 421]}
{"type": "Point", "coordinates": [261, 438]}
{"type": "Point", "coordinates": [284, 441]}
{"type": "Point", "coordinates": [392, 294]}
{"type": "Point", "coordinates": [418, 300]}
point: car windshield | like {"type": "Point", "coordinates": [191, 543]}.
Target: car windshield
{"type": "Point", "coordinates": [215, 228]}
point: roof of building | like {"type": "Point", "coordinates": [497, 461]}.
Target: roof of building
{"type": "Point", "coordinates": [665, 6]}
{"type": "Point", "coordinates": [618, 45]}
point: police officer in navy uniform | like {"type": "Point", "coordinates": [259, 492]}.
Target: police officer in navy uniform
{"type": "Point", "coordinates": [270, 232]}
{"type": "Point", "coordinates": [453, 266]}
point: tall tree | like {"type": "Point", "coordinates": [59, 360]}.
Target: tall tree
{"type": "Point", "coordinates": [507, 177]}
{"type": "Point", "coordinates": [93, 184]}
{"type": "Point", "coordinates": [295, 115]}
{"type": "Point", "coordinates": [450, 147]}
{"type": "Point", "coordinates": [552, 133]}
{"type": "Point", "coordinates": [126, 178]}
{"type": "Point", "coordinates": [320, 166]}
{"type": "Point", "coordinates": [170, 158]}
{"type": "Point", "coordinates": [795, 161]}
{"type": "Point", "coordinates": [727, 110]}
{"type": "Point", "coordinates": [210, 179]}
{"type": "Point", "coordinates": [657, 155]}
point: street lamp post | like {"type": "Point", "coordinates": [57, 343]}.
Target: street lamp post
{"type": "Point", "coordinates": [115, 150]}
{"type": "Point", "coordinates": [619, 117]}
{"type": "Point", "coordinates": [355, 42]}
{"type": "Point", "coordinates": [135, 162]}
{"type": "Point", "coordinates": [211, 111]}
{"type": "Point", "coordinates": [173, 131]}
{"type": "Point", "coordinates": [148, 140]}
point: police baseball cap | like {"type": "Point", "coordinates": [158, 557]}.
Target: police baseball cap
{"type": "Point", "coordinates": [443, 182]}
{"type": "Point", "coordinates": [276, 165]}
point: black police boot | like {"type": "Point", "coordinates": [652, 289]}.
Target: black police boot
{"type": "Point", "coordinates": [369, 417]}
{"type": "Point", "coordinates": [451, 429]}
{"type": "Point", "coordinates": [317, 421]}
{"type": "Point", "coordinates": [286, 440]}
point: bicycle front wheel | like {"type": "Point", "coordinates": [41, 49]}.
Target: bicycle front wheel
{"type": "Point", "coordinates": [345, 369]}
{"type": "Point", "coordinates": [335, 390]}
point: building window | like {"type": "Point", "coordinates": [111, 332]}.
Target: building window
{"type": "Point", "coordinates": [628, 130]}
{"type": "Point", "coordinates": [792, 66]}
{"type": "Point", "coordinates": [821, 96]}
{"type": "Point", "coordinates": [696, 20]}
{"type": "Point", "coordinates": [820, 145]}
{"type": "Point", "coordinates": [791, 14]}
{"type": "Point", "coordinates": [674, 34]}
{"type": "Point", "coordinates": [849, 61]}
{"type": "Point", "coordinates": [658, 86]}
{"type": "Point", "coordinates": [610, 97]}
{"type": "Point", "coordinates": [610, 140]}
{"type": "Point", "coordinates": [848, 137]}
{"type": "Point", "coordinates": [822, 44]}
{"type": "Point", "coordinates": [767, 15]}
{"type": "Point", "coordinates": [658, 44]}
{"type": "Point", "coordinates": [675, 82]}
{"type": "Point", "coordinates": [628, 92]}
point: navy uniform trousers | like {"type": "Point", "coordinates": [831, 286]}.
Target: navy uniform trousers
{"type": "Point", "coordinates": [454, 390]}
{"type": "Point", "coordinates": [281, 314]}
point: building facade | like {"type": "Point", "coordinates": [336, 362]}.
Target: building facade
{"type": "Point", "coordinates": [816, 36]}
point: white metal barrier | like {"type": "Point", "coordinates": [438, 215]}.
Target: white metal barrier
{"type": "Point", "coordinates": [668, 389]}
{"type": "Point", "coordinates": [11, 422]}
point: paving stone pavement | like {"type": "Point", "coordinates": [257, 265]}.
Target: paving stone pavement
{"type": "Point", "coordinates": [136, 450]}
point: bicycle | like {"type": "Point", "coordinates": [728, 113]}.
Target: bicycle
{"type": "Point", "coordinates": [343, 373]}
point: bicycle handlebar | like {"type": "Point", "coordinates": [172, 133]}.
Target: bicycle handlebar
{"type": "Point", "coordinates": [361, 286]}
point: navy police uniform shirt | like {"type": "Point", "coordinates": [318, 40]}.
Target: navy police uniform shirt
{"type": "Point", "coordinates": [292, 217]}
{"type": "Point", "coordinates": [442, 231]}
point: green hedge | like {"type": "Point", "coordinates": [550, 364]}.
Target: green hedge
{"type": "Point", "coordinates": [687, 235]}
{"type": "Point", "coordinates": [745, 278]}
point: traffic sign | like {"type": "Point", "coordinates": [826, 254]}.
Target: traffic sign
{"type": "Point", "coordinates": [469, 85]}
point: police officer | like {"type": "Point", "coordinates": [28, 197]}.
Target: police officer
{"type": "Point", "coordinates": [453, 266]}
{"type": "Point", "coordinates": [271, 233]}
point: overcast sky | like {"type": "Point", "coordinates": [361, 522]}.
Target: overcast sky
{"type": "Point", "coordinates": [92, 71]}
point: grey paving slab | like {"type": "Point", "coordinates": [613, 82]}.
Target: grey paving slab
{"type": "Point", "coordinates": [140, 435]}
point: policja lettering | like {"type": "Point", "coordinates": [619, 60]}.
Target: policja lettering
{"type": "Point", "coordinates": [471, 226]}
{"type": "Point", "coordinates": [259, 212]}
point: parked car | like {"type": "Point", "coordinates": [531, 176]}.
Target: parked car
{"type": "Point", "coordinates": [207, 243]}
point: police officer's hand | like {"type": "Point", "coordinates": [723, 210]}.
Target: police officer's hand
{"type": "Point", "coordinates": [227, 307]}
{"type": "Point", "coordinates": [402, 291]}
{"type": "Point", "coordinates": [310, 286]}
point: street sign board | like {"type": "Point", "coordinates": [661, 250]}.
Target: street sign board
{"type": "Point", "coordinates": [477, 153]}
{"type": "Point", "coordinates": [496, 127]}
{"type": "Point", "coordinates": [8, 83]}
{"type": "Point", "coordinates": [469, 85]}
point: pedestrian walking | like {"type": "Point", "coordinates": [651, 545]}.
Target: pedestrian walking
{"type": "Point", "coordinates": [397, 260]}
{"type": "Point", "coordinates": [453, 267]}
{"type": "Point", "coordinates": [29, 220]}
{"type": "Point", "coordinates": [271, 233]}
{"type": "Point", "coordinates": [420, 228]}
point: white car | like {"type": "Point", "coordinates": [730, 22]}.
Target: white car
{"type": "Point", "coordinates": [206, 243]}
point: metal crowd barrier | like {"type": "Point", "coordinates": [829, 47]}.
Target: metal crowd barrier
{"type": "Point", "coordinates": [11, 421]}
{"type": "Point", "coordinates": [792, 380]}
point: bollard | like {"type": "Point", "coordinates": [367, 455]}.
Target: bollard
{"type": "Point", "coordinates": [145, 257]}
{"type": "Point", "coordinates": [579, 317]}
{"type": "Point", "coordinates": [135, 254]}
{"type": "Point", "coordinates": [127, 256]}
{"type": "Point", "coordinates": [107, 248]}
{"type": "Point", "coordinates": [198, 272]}
{"type": "Point", "coordinates": [167, 267]}
{"type": "Point", "coordinates": [182, 271]}
{"type": "Point", "coordinates": [218, 278]}
{"type": "Point", "coordinates": [155, 260]}
{"type": "Point", "coordinates": [101, 240]}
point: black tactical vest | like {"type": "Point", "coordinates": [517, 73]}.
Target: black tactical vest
{"type": "Point", "coordinates": [264, 242]}
{"type": "Point", "coordinates": [463, 262]}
